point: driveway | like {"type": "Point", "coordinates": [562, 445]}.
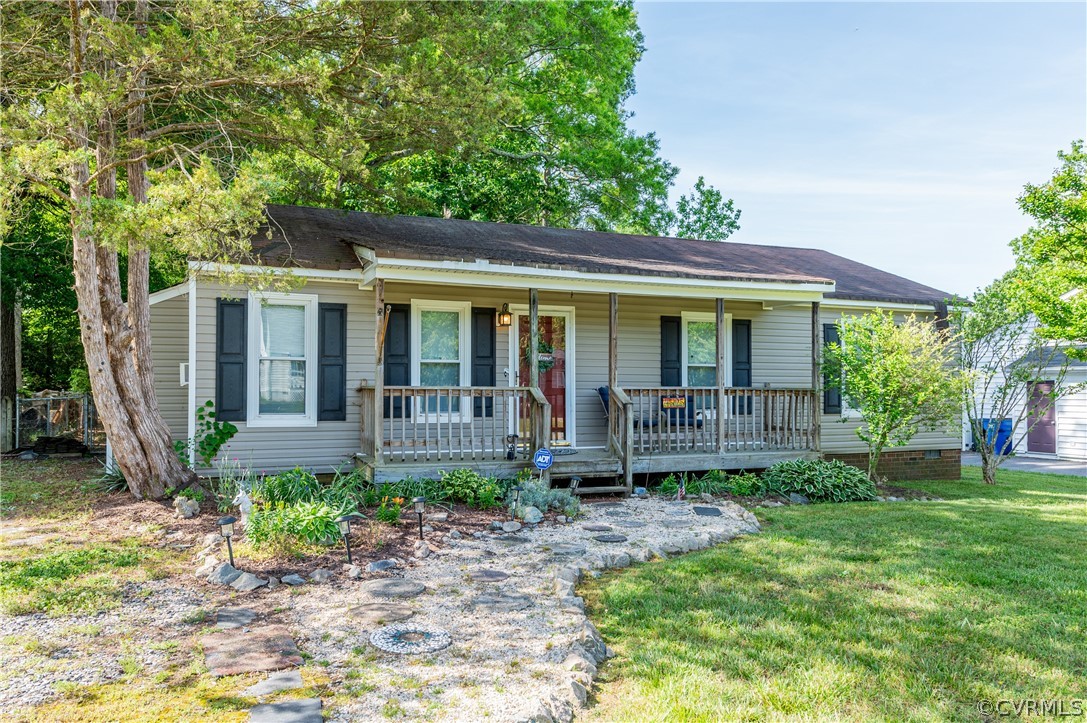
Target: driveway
{"type": "Point", "coordinates": [1033, 464]}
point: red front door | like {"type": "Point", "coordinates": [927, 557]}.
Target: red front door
{"type": "Point", "coordinates": [1042, 419]}
{"type": "Point", "coordinates": [552, 355]}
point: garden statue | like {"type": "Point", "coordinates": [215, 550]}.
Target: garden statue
{"type": "Point", "coordinates": [244, 504]}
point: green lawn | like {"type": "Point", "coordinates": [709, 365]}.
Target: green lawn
{"type": "Point", "coordinates": [864, 611]}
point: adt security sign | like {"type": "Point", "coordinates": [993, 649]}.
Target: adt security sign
{"type": "Point", "coordinates": [543, 459]}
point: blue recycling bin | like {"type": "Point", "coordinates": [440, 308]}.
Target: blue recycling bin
{"type": "Point", "coordinates": [1002, 432]}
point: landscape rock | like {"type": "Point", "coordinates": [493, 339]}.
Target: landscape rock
{"type": "Point", "coordinates": [706, 497]}
{"type": "Point", "coordinates": [186, 508]}
{"type": "Point", "coordinates": [210, 563]}
{"type": "Point", "coordinates": [320, 575]}
{"type": "Point", "coordinates": [380, 565]}
{"type": "Point", "coordinates": [531, 515]}
{"type": "Point", "coordinates": [438, 516]}
{"type": "Point", "coordinates": [511, 526]}
{"type": "Point", "coordinates": [273, 583]}
{"type": "Point", "coordinates": [455, 535]}
{"type": "Point", "coordinates": [354, 572]}
{"type": "Point", "coordinates": [247, 582]}
{"type": "Point", "coordinates": [496, 526]}
{"type": "Point", "coordinates": [798, 499]}
{"type": "Point", "coordinates": [224, 574]}
{"type": "Point", "coordinates": [293, 579]}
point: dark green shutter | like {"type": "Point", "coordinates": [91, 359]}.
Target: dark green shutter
{"type": "Point", "coordinates": [398, 356]}
{"type": "Point", "coordinates": [832, 396]}
{"type": "Point", "coordinates": [671, 352]}
{"type": "Point", "coordinates": [484, 357]}
{"type": "Point", "coordinates": [741, 353]}
{"type": "Point", "coordinates": [741, 362]}
{"type": "Point", "coordinates": [331, 362]}
{"type": "Point", "coordinates": [230, 373]}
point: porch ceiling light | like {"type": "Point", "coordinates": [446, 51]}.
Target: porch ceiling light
{"type": "Point", "coordinates": [505, 318]}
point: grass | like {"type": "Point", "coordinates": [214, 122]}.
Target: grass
{"type": "Point", "coordinates": [864, 611]}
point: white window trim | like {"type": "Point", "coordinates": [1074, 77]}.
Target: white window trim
{"type": "Point", "coordinates": [687, 316]}
{"type": "Point", "coordinates": [464, 345]}
{"type": "Point", "coordinates": [253, 416]}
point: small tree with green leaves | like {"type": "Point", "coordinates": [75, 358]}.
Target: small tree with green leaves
{"type": "Point", "coordinates": [900, 376]}
{"type": "Point", "coordinates": [1004, 352]}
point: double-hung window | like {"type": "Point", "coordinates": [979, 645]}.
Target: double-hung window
{"type": "Point", "coordinates": [440, 334]}
{"type": "Point", "coordinates": [282, 372]}
{"type": "Point", "coordinates": [699, 347]}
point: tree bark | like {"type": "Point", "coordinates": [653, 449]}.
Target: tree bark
{"type": "Point", "coordinates": [116, 344]}
{"type": "Point", "coordinates": [9, 384]}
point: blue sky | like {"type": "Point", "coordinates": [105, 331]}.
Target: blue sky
{"type": "Point", "coordinates": [899, 135]}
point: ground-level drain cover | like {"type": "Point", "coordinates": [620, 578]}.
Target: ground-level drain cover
{"type": "Point", "coordinates": [410, 639]}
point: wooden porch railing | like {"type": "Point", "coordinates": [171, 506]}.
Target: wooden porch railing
{"type": "Point", "coordinates": [424, 424]}
{"type": "Point", "coordinates": [690, 420]}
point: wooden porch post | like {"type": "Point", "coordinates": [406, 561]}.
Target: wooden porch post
{"type": "Point", "coordinates": [533, 338]}
{"type": "Point", "coordinates": [720, 417]}
{"type": "Point", "coordinates": [817, 398]}
{"type": "Point", "coordinates": [613, 341]}
{"type": "Point", "coordinates": [379, 372]}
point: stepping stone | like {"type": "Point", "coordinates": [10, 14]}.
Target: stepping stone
{"type": "Point", "coordinates": [617, 513]}
{"type": "Point", "coordinates": [630, 523]}
{"type": "Point", "coordinates": [597, 528]}
{"type": "Point", "coordinates": [232, 652]}
{"type": "Point", "coordinates": [606, 504]}
{"type": "Point", "coordinates": [566, 548]}
{"type": "Point", "coordinates": [502, 602]}
{"type": "Point", "coordinates": [677, 524]}
{"type": "Point", "coordinates": [488, 575]}
{"type": "Point", "coordinates": [228, 618]}
{"type": "Point", "coordinates": [610, 538]}
{"type": "Point", "coordinates": [380, 613]}
{"type": "Point", "coordinates": [304, 710]}
{"type": "Point", "coordinates": [511, 539]}
{"type": "Point", "coordinates": [394, 588]}
{"type": "Point", "coordinates": [275, 683]}
{"type": "Point", "coordinates": [707, 511]}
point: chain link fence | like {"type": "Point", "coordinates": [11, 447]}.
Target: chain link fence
{"type": "Point", "coordinates": [71, 416]}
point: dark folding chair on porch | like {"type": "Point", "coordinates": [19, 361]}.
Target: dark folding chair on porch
{"type": "Point", "coordinates": [605, 398]}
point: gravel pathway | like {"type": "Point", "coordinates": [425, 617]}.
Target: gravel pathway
{"type": "Point", "coordinates": [522, 648]}
{"type": "Point", "coordinates": [40, 655]}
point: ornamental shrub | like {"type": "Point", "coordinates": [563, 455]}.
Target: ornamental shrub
{"type": "Point", "coordinates": [536, 494]}
{"type": "Point", "coordinates": [471, 488]}
{"type": "Point", "coordinates": [296, 485]}
{"type": "Point", "coordinates": [819, 480]}
{"type": "Point", "coordinates": [312, 523]}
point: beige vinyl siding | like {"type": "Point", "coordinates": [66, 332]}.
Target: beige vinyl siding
{"type": "Point", "coordinates": [839, 434]}
{"type": "Point", "coordinates": [1072, 420]}
{"type": "Point", "coordinates": [169, 349]}
{"type": "Point", "coordinates": [329, 444]}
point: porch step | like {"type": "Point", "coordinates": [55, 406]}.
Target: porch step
{"type": "Point", "coordinates": [609, 490]}
{"type": "Point", "coordinates": [565, 467]}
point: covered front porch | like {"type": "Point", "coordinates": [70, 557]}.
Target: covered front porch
{"type": "Point", "coordinates": [418, 429]}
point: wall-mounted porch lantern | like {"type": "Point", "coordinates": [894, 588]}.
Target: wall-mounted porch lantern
{"type": "Point", "coordinates": [505, 317]}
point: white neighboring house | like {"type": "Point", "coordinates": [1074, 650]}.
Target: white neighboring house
{"type": "Point", "coordinates": [1060, 429]}
{"type": "Point", "coordinates": [1057, 430]}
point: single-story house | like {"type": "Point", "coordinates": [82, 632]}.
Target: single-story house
{"type": "Point", "coordinates": [405, 348]}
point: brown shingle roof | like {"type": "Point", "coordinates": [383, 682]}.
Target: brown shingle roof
{"type": "Point", "coordinates": [322, 239]}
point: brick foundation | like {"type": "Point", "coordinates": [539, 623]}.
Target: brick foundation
{"type": "Point", "coordinates": [900, 465]}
